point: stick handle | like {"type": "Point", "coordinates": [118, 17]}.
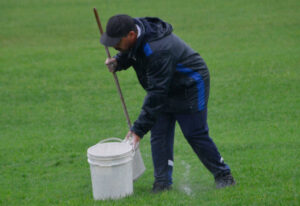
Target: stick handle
{"type": "Point", "coordinates": [114, 74]}
{"type": "Point", "coordinates": [122, 100]}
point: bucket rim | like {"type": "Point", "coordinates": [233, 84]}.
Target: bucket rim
{"type": "Point", "coordinates": [130, 151]}
{"type": "Point", "coordinates": [111, 157]}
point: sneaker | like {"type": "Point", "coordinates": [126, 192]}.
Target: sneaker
{"type": "Point", "coordinates": [224, 181]}
{"type": "Point", "coordinates": [159, 187]}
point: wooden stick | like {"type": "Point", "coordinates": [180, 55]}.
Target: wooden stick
{"type": "Point", "coordinates": [114, 74]}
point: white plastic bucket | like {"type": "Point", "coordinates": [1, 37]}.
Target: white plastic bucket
{"type": "Point", "coordinates": [111, 169]}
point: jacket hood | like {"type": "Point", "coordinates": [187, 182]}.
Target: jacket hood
{"type": "Point", "coordinates": [152, 28]}
{"type": "Point", "coordinates": [155, 28]}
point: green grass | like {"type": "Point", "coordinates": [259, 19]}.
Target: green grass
{"type": "Point", "coordinates": [57, 99]}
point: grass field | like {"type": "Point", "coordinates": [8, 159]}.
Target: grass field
{"type": "Point", "coordinates": [57, 99]}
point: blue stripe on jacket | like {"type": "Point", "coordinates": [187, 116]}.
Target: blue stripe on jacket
{"type": "Point", "coordinates": [199, 83]}
{"type": "Point", "coordinates": [147, 50]}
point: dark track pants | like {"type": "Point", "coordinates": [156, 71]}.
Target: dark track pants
{"type": "Point", "coordinates": [195, 129]}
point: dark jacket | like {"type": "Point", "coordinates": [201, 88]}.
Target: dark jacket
{"type": "Point", "coordinates": [175, 77]}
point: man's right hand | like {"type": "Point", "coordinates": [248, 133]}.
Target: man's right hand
{"type": "Point", "coordinates": [134, 138]}
{"type": "Point", "coordinates": [111, 64]}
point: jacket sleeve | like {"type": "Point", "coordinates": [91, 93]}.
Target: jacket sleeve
{"type": "Point", "coordinates": [160, 70]}
{"type": "Point", "coordinates": [123, 61]}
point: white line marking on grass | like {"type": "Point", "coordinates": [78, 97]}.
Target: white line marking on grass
{"type": "Point", "coordinates": [187, 169]}
{"type": "Point", "coordinates": [187, 190]}
{"type": "Point", "coordinates": [185, 186]}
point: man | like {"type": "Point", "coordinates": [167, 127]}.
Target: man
{"type": "Point", "coordinates": [176, 79]}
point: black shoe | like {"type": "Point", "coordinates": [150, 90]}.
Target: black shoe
{"type": "Point", "coordinates": [224, 181]}
{"type": "Point", "coordinates": [159, 187]}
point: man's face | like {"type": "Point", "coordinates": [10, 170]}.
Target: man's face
{"type": "Point", "coordinates": [126, 42]}
{"type": "Point", "coordinates": [123, 45]}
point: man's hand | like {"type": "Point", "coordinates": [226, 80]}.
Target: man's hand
{"type": "Point", "coordinates": [135, 139]}
{"type": "Point", "coordinates": [111, 64]}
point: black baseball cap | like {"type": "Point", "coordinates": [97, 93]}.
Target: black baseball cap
{"type": "Point", "coordinates": [118, 26]}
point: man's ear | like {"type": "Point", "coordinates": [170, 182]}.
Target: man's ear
{"type": "Point", "coordinates": [132, 34]}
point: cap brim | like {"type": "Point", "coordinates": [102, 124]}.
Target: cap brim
{"type": "Point", "coordinates": [109, 41]}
